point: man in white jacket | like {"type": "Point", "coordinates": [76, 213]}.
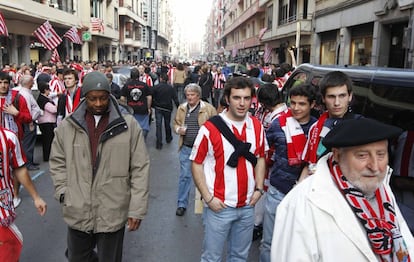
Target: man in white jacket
{"type": "Point", "coordinates": [346, 211]}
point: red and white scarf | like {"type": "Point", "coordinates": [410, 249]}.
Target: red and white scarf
{"type": "Point", "coordinates": [7, 211]}
{"type": "Point", "coordinates": [295, 138]}
{"type": "Point", "coordinates": [310, 152]}
{"type": "Point", "coordinates": [382, 229]}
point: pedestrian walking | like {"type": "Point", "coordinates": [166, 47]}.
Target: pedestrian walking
{"type": "Point", "coordinates": [346, 210]}
{"type": "Point", "coordinates": [14, 114]}
{"type": "Point", "coordinates": [100, 169]}
{"type": "Point", "coordinates": [336, 90]}
{"type": "Point", "coordinates": [13, 165]}
{"type": "Point", "coordinates": [228, 169]}
{"type": "Point", "coordinates": [286, 137]}
{"type": "Point", "coordinates": [190, 116]}
{"type": "Point", "coordinates": [163, 96]}
{"type": "Point", "coordinates": [138, 96]}
{"type": "Point", "coordinates": [47, 119]}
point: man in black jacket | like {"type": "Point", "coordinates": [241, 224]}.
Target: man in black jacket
{"type": "Point", "coordinates": [163, 96]}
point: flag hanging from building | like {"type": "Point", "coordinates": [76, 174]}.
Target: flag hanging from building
{"type": "Point", "coordinates": [262, 32]}
{"type": "Point", "coordinates": [267, 56]}
{"type": "Point", "coordinates": [3, 27]}
{"type": "Point", "coordinates": [73, 35]}
{"type": "Point", "coordinates": [47, 35]}
{"type": "Point", "coordinates": [55, 56]}
{"type": "Point", "coordinates": [97, 24]}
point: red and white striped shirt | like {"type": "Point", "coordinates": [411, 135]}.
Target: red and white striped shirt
{"type": "Point", "coordinates": [233, 186]}
{"type": "Point", "coordinates": [219, 80]}
{"type": "Point", "coordinates": [56, 86]}
{"type": "Point", "coordinates": [146, 78]}
{"type": "Point", "coordinates": [12, 157]}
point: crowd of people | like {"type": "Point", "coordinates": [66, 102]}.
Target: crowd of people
{"type": "Point", "coordinates": [283, 173]}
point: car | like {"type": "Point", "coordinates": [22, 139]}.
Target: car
{"type": "Point", "coordinates": [121, 74]}
{"type": "Point", "coordinates": [384, 94]}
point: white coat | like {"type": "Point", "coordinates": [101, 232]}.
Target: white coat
{"type": "Point", "coordinates": [315, 223]}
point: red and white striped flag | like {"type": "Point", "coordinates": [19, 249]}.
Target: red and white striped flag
{"type": "Point", "coordinates": [3, 27]}
{"type": "Point", "coordinates": [267, 56]}
{"type": "Point", "coordinates": [72, 35]}
{"type": "Point", "coordinates": [97, 24]}
{"type": "Point", "coordinates": [47, 35]}
{"type": "Point", "coordinates": [55, 56]}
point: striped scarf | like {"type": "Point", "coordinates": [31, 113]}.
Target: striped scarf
{"type": "Point", "coordinates": [295, 138]}
{"type": "Point", "coordinates": [382, 230]}
{"type": "Point", "coordinates": [7, 120]}
{"type": "Point", "coordinates": [310, 152]}
{"type": "Point", "coordinates": [7, 212]}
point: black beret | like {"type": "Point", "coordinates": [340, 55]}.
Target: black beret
{"type": "Point", "coordinates": [361, 131]}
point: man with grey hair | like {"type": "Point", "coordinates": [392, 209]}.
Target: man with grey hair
{"type": "Point", "coordinates": [190, 116]}
{"type": "Point", "coordinates": [346, 210]}
{"type": "Point", "coordinates": [29, 129]}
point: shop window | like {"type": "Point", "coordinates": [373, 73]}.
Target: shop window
{"type": "Point", "coordinates": [361, 49]}
{"type": "Point", "coordinates": [328, 53]}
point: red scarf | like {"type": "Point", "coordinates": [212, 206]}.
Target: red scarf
{"type": "Point", "coordinates": [310, 154]}
{"type": "Point", "coordinates": [382, 230]}
{"type": "Point", "coordinates": [7, 211]}
{"type": "Point", "coordinates": [295, 138]}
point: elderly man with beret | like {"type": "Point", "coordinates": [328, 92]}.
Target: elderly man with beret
{"type": "Point", "coordinates": [100, 169]}
{"type": "Point", "coordinates": [346, 211]}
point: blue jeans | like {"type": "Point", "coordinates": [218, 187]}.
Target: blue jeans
{"type": "Point", "coordinates": [29, 141]}
{"type": "Point", "coordinates": [217, 94]}
{"type": "Point", "coordinates": [159, 115]}
{"type": "Point", "coordinates": [185, 180]}
{"type": "Point", "coordinates": [143, 121]}
{"type": "Point", "coordinates": [179, 90]}
{"type": "Point", "coordinates": [232, 224]}
{"type": "Point", "coordinates": [273, 199]}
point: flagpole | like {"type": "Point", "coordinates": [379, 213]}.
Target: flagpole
{"type": "Point", "coordinates": [297, 41]}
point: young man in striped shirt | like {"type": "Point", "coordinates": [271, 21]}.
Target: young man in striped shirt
{"type": "Point", "coordinates": [230, 180]}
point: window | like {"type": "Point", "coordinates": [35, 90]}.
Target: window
{"type": "Point", "coordinates": [96, 8]}
{"type": "Point", "coordinates": [361, 49]}
{"type": "Point", "coordinates": [116, 17]}
{"type": "Point", "coordinates": [283, 12]}
{"type": "Point", "coordinates": [328, 53]}
{"type": "Point", "coordinates": [292, 10]}
{"type": "Point", "coordinates": [270, 16]}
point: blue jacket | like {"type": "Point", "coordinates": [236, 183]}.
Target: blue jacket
{"type": "Point", "coordinates": [281, 174]}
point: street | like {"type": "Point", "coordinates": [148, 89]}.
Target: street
{"type": "Point", "coordinates": [162, 236]}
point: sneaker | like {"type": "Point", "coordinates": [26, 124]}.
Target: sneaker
{"type": "Point", "coordinates": [180, 211]}
{"type": "Point", "coordinates": [257, 232]}
{"type": "Point", "coordinates": [16, 201]}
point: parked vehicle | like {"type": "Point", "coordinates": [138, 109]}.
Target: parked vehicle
{"type": "Point", "coordinates": [385, 94]}
{"type": "Point", "coordinates": [121, 74]}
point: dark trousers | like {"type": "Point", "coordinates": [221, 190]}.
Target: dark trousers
{"type": "Point", "coordinates": [48, 134]}
{"type": "Point", "coordinates": [159, 116]}
{"type": "Point", "coordinates": [81, 246]}
{"type": "Point", "coordinates": [29, 141]}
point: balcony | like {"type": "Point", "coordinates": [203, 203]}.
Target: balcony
{"type": "Point", "coordinates": [249, 13]}
{"type": "Point", "coordinates": [124, 11]}
{"type": "Point", "coordinates": [132, 42]}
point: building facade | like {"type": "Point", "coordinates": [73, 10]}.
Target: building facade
{"type": "Point", "coordinates": [354, 32]}
{"type": "Point", "coordinates": [129, 29]}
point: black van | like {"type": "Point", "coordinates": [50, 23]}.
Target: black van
{"type": "Point", "coordinates": [385, 94]}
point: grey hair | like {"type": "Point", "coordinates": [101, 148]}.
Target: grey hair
{"type": "Point", "coordinates": [193, 88]}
